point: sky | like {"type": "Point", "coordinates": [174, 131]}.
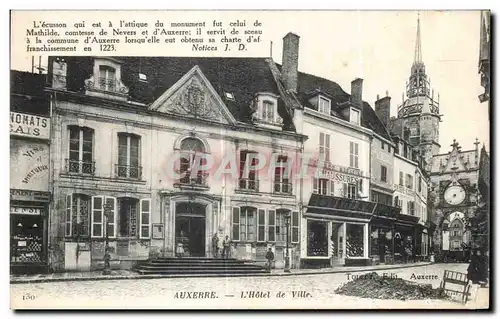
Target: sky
{"type": "Point", "coordinates": [377, 46]}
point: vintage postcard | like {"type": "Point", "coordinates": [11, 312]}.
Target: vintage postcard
{"type": "Point", "coordinates": [250, 160]}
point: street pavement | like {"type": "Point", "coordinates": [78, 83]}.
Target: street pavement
{"type": "Point", "coordinates": [289, 292]}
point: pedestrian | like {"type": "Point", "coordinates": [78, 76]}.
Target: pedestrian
{"type": "Point", "coordinates": [270, 258]}
{"type": "Point", "coordinates": [215, 245]}
{"type": "Point", "coordinates": [226, 246]}
{"type": "Point", "coordinates": [477, 270]}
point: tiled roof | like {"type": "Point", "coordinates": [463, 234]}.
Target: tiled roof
{"type": "Point", "coordinates": [311, 84]}
{"type": "Point", "coordinates": [242, 77]}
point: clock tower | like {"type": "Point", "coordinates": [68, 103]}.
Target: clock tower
{"type": "Point", "coordinates": [419, 110]}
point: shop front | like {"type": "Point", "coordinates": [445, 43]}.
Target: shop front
{"type": "Point", "coordinates": [28, 229]}
{"type": "Point", "coordinates": [405, 238]}
{"type": "Point", "coordinates": [337, 231]}
{"type": "Point", "coordinates": [382, 229]}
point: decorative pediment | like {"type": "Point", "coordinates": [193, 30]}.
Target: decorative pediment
{"type": "Point", "coordinates": [193, 96]}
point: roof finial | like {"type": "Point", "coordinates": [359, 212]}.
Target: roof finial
{"type": "Point", "coordinates": [418, 44]}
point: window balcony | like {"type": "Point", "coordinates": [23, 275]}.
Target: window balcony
{"type": "Point", "coordinates": [128, 171]}
{"type": "Point", "coordinates": [283, 188]}
{"type": "Point", "coordinates": [249, 184]}
{"type": "Point", "coordinates": [80, 167]}
{"type": "Point", "coordinates": [199, 180]}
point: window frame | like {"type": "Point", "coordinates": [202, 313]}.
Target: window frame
{"type": "Point", "coordinates": [355, 119]}
{"type": "Point", "coordinates": [324, 146]}
{"type": "Point", "coordinates": [321, 109]}
{"type": "Point", "coordinates": [383, 177]}
{"type": "Point", "coordinates": [353, 154]}
{"type": "Point", "coordinates": [81, 140]}
{"type": "Point", "coordinates": [129, 137]}
{"type": "Point", "coordinates": [141, 213]}
{"type": "Point", "coordinates": [104, 229]}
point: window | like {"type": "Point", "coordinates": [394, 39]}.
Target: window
{"type": "Point", "coordinates": [409, 181]}
{"type": "Point", "coordinates": [383, 173]}
{"type": "Point", "coordinates": [271, 222]}
{"type": "Point", "coordinates": [145, 218]}
{"type": "Point", "coordinates": [411, 208]}
{"type": "Point", "coordinates": [324, 146]}
{"type": "Point", "coordinates": [354, 116]}
{"type": "Point", "coordinates": [77, 215]}
{"type": "Point", "coordinates": [244, 223]}
{"type": "Point", "coordinates": [128, 156]}
{"type": "Point", "coordinates": [355, 235]}
{"type": "Point", "coordinates": [317, 238]}
{"type": "Point", "coordinates": [353, 154]}
{"type": "Point", "coordinates": [323, 186]}
{"type": "Point", "coordinates": [268, 111]}
{"type": "Point", "coordinates": [127, 217]}
{"type": "Point", "coordinates": [401, 179]}
{"type": "Point", "coordinates": [248, 174]}
{"type": "Point", "coordinates": [324, 105]}
{"type": "Point", "coordinates": [350, 190]}
{"type": "Point", "coordinates": [190, 147]}
{"type": "Point", "coordinates": [80, 150]}
{"type": "Point", "coordinates": [382, 145]}
{"type": "Point", "coordinates": [281, 225]}
{"type": "Point", "coordinates": [103, 210]}
{"type": "Point", "coordinates": [107, 78]}
{"type": "Point", "coordinates": [281, 181]}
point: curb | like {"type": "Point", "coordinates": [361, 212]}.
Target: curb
{"type": "Point", "coordinates": [160, 276]}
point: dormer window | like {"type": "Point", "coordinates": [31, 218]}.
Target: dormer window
{"type": "Point", "coordinates": [354, 116]}
{"type": "Point", "coordinates": [324, 105]}
{"type": "Point", "coordinates": [266, 111]}
{"type": "Point", "coordinates": [107, 78]}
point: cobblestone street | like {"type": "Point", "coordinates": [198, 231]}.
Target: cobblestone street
{"type": "Point", "coordinates": [229, 292]}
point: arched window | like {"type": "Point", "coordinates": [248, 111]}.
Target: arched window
{"type": "Point", "coordinates": [191, 147]}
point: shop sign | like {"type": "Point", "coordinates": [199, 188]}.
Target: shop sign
{"type": "Point", "coordinates": [28, 125]}
{"type": "Point", "coordinates": [25, 210]}
{"type": "Point", "coordinates": [339, 177]}
{"type": "Point", "coordinates": [28, 195]}
{"type": "Point", "coordinates": [29, 165]}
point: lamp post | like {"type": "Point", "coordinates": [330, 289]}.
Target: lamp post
{"type": "Point", "coordinates": [107, 257]}
{"type": "Point", "coordinates": [287, 255]}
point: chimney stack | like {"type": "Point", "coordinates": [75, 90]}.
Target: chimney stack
{"type": "Point", "coordinates": [383, 109]}
{"type": "Point", "coordinates": [357, 92]}
{"type": "Point", "coordinates": [290, 60]}
{"type": "Point", "coordinates": [59, 70]}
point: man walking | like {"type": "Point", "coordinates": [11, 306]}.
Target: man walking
{"type": "Point", "coordinates": [215, 245]}
{"type": "Point", "coordinates": [270, 258]}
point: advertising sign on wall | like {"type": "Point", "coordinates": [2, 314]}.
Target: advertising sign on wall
{"type": "Point", "coordinates": [28, 125]}
{"type": "Point", "coordinates": [29, 165]}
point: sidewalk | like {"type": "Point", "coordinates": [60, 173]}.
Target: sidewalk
{"type": "Point", "coordinates": [130, 274]}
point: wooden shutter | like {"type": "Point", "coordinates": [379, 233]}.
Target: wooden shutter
{"type": "Point", "coordinates": [111, 227]}
{"type": "Point", "coordinates": [271, 231]}
{"type": "Point", "coordinates": [68, 216]}
{"type": "Point", "coordinates": [236, 223]}
{"type": "Point", "coordinates": [97, 216]}
{"type": "Point", "coordinates": [145, 219]}
{"type": "Point", "coordinates": [295, 227]}
{"type": "Point", "coordinates": [261, 225]}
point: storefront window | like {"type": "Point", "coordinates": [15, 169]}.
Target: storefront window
{"type": "Point", "coordinates": [317, 238]}
{"type": "Point", "coordinates": [374, 241]}
{"type": "Point", "coordinates": [355, 240]}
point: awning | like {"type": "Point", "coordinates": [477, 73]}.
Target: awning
{"type": "Point", "coordinates": [339, 207]}
{"type": "Point", "coordinates": [407, 220]}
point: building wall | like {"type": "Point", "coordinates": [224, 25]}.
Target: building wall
{"type": "Point", "coordinates": [159, 136]}
{"type": "Point", "coordinates": [382, 157]}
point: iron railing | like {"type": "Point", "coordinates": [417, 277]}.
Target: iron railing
{"type": "Point", "coordinates": [80, 167]}
{"type": "Point", "coordinates": [128, 171]}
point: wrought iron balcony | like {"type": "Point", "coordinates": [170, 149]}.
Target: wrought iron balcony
{"type": "Point", "coordinates": [107, 84]}
{"type": "Point", "coordinates": [80, 167]}
{"type": "Point", "coordinates": [128, 171]}
{"type": "Point", "coordinates": [199, 179]}
{"type": "Point", "coordinates": [283, 187]}
{"type": "Point", "coordinates": [249, 184]}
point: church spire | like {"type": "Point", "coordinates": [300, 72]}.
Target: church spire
{"type": "Point", "coordinates": [418, 44]}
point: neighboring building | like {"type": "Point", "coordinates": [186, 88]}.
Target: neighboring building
{"type": "Point", "coordinates": [481, 223]}
{"type": "Point", "coordinates": [484, 56]}
{"type": "Point", "coordinates": [30, 191]}
{"type": "Point", "coordinates": [418, 116]}
{"type": "Point", "coordinates": [454, 179]}
{"type": "Point", "coordinates": [120, 125]}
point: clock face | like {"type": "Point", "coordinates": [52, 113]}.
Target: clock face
{"type": "Point", "coordinates": [454, 195]}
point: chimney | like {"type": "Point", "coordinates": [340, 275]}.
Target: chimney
{"type": "Point", "coordinates": [59, 69]}
{"type": "Point", "coordinates": [383, 109]}
{"type": "Point", "coordinates": [290, 60]}
{"type": "Point", "coordinates": [357, 93]}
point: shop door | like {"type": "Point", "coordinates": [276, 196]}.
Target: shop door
{"type": "Point", "coordinates": [190, 225]}
{"type": "Point", "coordinates": [337, 242]}
{"type": "Point", "coordinates": [26, 239]}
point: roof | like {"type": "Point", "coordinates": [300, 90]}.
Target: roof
{"type": "Point", "coordinates": [242, 77]}
{"type": "Point", "coordinates": [27, 93]}
{"type": "Point", "coordinates": [310, 84]}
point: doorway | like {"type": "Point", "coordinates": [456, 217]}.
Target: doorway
{"type": "Point", "coordinates": [190, 226]}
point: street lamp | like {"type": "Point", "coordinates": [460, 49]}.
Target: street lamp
{"type": "Point", "coordinates": [107, 257]}
{"type": "Point", "coordinates": [287, 255]}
